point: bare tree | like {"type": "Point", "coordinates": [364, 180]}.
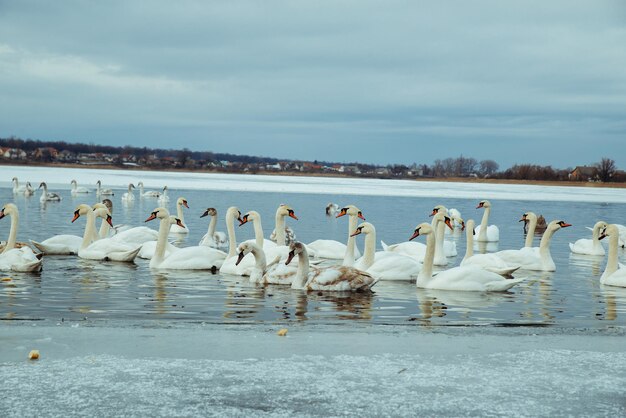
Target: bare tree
{"type": "Point", "coordinates": [605, 169]}
{"type": "Point", "coordinates": [488, 167]}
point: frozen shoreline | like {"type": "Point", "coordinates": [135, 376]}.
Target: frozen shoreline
{"type": "Point", "coordinates": [213, 370]}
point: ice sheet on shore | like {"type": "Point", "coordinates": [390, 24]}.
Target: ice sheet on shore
{"type": "Point", "coordinates": [61, 177]}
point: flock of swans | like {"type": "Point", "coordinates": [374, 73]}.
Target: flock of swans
{"type": "Point", "coordinates": [324, 265]}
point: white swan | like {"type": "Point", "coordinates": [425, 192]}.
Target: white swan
{"type": "Point", "coordinates": [164, 199]}
{"type": "Point", "coordinates": [180, 228]}
{"type": "Point", "coordinates": [17, 189]}
{"type": "Point", "coordinates": [129, 196]}
{"type": "Point", "coordinates": [78, 190]}
{"type": "Point", "coordinates": [229, 266]}
{"type": "Point", "coordinates": [104, 248]}
{"type": "Point", "coordinates": [530, 258]}
{"type": "Point", "coordinates": [212, 238]}
{"type": "Point", "coordinates": [29, 191]}
{"type": "Point", "coordinates": [188, 258]}
{"type": "Point", "coordinates": [282, 234]}
{"type": "Point", "coordinates": [17, 259]}
{"type": "Point", "coordinates": [149, 193]}
{"type": "Point", "coordinates": [486, 232]}
{"type": "Point", "coordinates": [443, 248]}
{"type": "Point", "coordinates": [590, 246]}
{"type": "Point", "coordinates": [271, 249]}
{"type": "Point", "coordinates": [332, 209]}
{"type": "Point", "coordinates": [613, 275]}
{"type": "Point", "coordinates": [466, 278]}
{"type": "Point", "coordinates": [102, 192]}
{"type": "Point", "coordinates": [531, 219]}
{"type": "Point", "coordinates": [487, 261]}
{"type": "Point", "coordinates": [48, 196]}
{"type": "Point", "coordinates": [384, 265]}
{"type": "Point", "coordinates": [335, 279]}
{"type": "Point", "coordinates": [275, 273]}
{"type": "Point", "coordinates": [335, 250]}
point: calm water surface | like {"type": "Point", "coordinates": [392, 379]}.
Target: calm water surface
{"type": "Point", "coordinates": [71, 289]}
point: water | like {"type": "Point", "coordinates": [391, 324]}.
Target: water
{"type": "Point", "coordinates": [72, 289]}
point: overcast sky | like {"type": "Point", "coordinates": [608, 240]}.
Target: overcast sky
{"type": "Point", "coordinates": [370, 81]}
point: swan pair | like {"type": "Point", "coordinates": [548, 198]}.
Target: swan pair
{"type": "Point", "coordinates": [17, 259]}
{"type": "Point", "coordinates": [463, 278]}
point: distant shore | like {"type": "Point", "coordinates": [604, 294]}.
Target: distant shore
{"type": "Point", "coordinates": [337, 175]}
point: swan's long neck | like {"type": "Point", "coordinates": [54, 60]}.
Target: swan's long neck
{"type": "Point", "coordinates": [439, 240]}
{"type": "Point", "coordinates": [141, 188]}
{"type": "Point", "coordinates": [482, 236]}
{"type": "Point", "coordinates": [16, 185]}
{"type": "Point", "coordinates": [530, 232]}
{"type": "Point", "coordinates": [104, 229]}
{"type": "Point", "coordinates": [44, 191]}
{"type": "Point", "coordinates": [232, 239]}
{"type": "Point", "coordinates": [611, 264]}
{"type": "Point", "coordinates": [544, 247]}
{"type": "Point", "coordinates": [595, 238]}
{"type": "Point", "coordinates": [348, 258]}
{"type": "Point", "coordinates": [130, 190]}
{"type": "Point", "coordinates": [426, 272]}
{"type": "Point", "coordinates": [13, 232]}
{"type": "Point", "coordinates": [212, 225]}
{"type": "Point", "coordinates": [369, 253]}
{"type": "Point", "coordinates": [469, 250]}
{"type": "Point", "coordinates": [302, 275]}
{"type": "Point", "coordinates": [280, 229]}
{"type": "Point", "coordinates": [259, 258]}
{"type": "Point", "coordinates": [98, 187]}
{"type": "Point", "coordinates": [179, 211]}
{"type": "Point", "coordinates": [74, 185]}
{"type": "Point", "coordinates": [90, 229]}
{"type": "Point", "coordinates": [258, 231]}
{"type": "Point", "coordinates": [159, 252]}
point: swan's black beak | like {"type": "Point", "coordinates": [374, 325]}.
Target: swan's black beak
{"type": "Point", "coordinates": [241, 256]}
{"type": "Point", "coordinates": [206, 213]}
{"type": "Point", "coordinates": [290, 256]}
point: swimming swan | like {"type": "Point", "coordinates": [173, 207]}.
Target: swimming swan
{"type": "Point", "coordinates": [17, 259]}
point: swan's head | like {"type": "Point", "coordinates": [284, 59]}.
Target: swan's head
{"type": "Point", "coordinates": [99, 206]}
{"type": "Point", "coordinates": [350, 210]}
{"type": "Point", "coordinates": [421, 229]}
{"type": "Point", "coordinates": [470, 226]}
{"type": "Point", "coordinates": [165, 188]}
{"type": "Point", "coordinates": [140, 184]}
{"type": "Point", "coordinates": [286, 210]}
{"type": "Point", "coordinates": [158, 213]}
{"type": "Point", "coordinates": [131, 186]}
{"type": "Point", "coordinates": [73, 182]}
{"type": "Point", "coordinates": [43, 184]}
{"type": "Point", "coordinates": [103, 212]}
{"type": "Point", "coordinates": [527, 217]}
{"type": "Point", "coordinates": [209, 212]}
{"type": "Point", "coordinates": [441, 217]}
{"type": "Point", "coordinates": [8, 209]}
{"type": "Point", "coordinates": [81, 210]}
{"type": "Point", "coordinates": [608, 231]}
{"type": "Point", "coordinates": [295, 248]}
{"type": "Point", "coordinates": [460, 221]}
{"type": "Point", "coordinates": [600, 226]}
{"type": "Point", "coordinates": [483, 204]}
{"type": "Point", "coordinates": [233, 212]}
{"type": "Point", "coordinates": [244, 248]}
{"type": "Point", "coordinates": [439, 209]}
{"type": "Point", "coordinates": [363, 228]}
{"type": "Point", "coordinates": [253, 215]}
{"type": "Point", "coordinates": [14, 179]}
{"type": "Point", "coordinates": [108, 203]}
{"type": "Point", "coordinates": [99, 183]}
{"type": "Point", "coordinates": [557, 224]}
{"type": "Point", "coordinates": [182, 202]}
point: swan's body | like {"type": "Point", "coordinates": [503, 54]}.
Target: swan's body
{"type": "Point", "coordinates": [129, 196]}
{"type": "Point", "coordinates": [384, 265]}
{"type": "Point", "coordinates": [164, 199]}
{"type": "Point", "coordinates": [415, 250]}
{"type": "Point", "coordinates": [532, 259]}
{"type": "Point", "coordinates": [465, 278]}
{"type": "Point", "coordinates": [17, 189]}
{"type": "Point", "coordinates": [614, 274]}
{"type": "Point", "coordinates": [335, 279]}
{"type": "Point", "coordinates": [48, 196]}
{"type": "Point", "coordinates": [486, 261]}
{"type": "Point", "coordinates": [180, 228]}
{"type": "Point", "coordinates": [76, 190]}
{"type": "Point", "coordinates": [102, 192]}
{"type": "Point", "coordinates": [486, 232]}
{"type": "Point", "coordinates": [149, 193]}
{"type": "Point", "coordinates": [335, 250]}
{"type": "Point", "coordinates": [17, 259]}
{"type": "Point", "coordinates": [276, 273]}
{"type": "Point", "coordinates": [63, 244]}
{"type": "Point", "coordinates": [188, 258]}
{"type": "Point", "coordinates": [213, 239]}
{"type": "Point", "coordinates": [590, 246]}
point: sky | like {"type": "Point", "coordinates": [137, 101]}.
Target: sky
{"type": "Point", "coordinates": [370, 81]}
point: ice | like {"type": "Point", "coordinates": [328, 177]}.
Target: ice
{"type": "Point", "coordinates": [61, 177]}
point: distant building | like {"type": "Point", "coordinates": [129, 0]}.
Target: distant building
{"type": "Point", "coordinates": [582, 173]}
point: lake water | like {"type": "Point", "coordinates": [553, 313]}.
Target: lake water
{"type": "Point", "coordinates": [72, 289]}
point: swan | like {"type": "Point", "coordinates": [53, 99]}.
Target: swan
{"type": "Point", "coordinates": [102, 192]}
{"type": "Point", "coordinates": [530, 220]}
{"type": "Point", "coordinates": [331, 249]}
{"type": "Point", "coordinates": [590, 246]}
{"type": "Point", "coordinates": [188, 258]}
{"type": "Point", "coordinates": [384, 265]}
{"type": "Point", "coordinates": [78, 190]}
{"type": "Point", "coordinates": [443, 248]}
{"type": "Point", "coordinates": [16, 186]}
{"type": "Point", "coordinates": [164, 199]}
{"type": "Point", "coordinates": [48, 196]}
{"type": "Point", "coordinates": [336, 279]}
{"type": "Point", "coordinates": [332, 209]}
{"type": "Point", "coordinates": [614, 274]}
{"type": "Point", "coordinates": [17, 259]}
{"type": "Point", "coordinates": [29, 191]}
{"type": "Point", "coordinates": [129, 196]}
{"type": "Point", "coordinates": [149, 193]}
{"type": "Point", "coordinates": [486, 232]}
{"type": "Point", "coordinates": [180, 228]}
{"type": "Point", "coordinates": [282, 234]}
{"type": "Point", "coordinates": [229, 266]}
{"type": "Point", "coordinates": [275, 273]}
{"type": "Point", "coordinates": [487, 261]}
{"type": "Point", "coordinates": [462, 278]}
{"type": "Point", "coordinates": [271, 249]}
{"type": "Point", "coordinates": [531, 259]}
{"type": "Point", "coordinates": [104, 248]}
{"type": "Point", "coordinates": [212, 238]}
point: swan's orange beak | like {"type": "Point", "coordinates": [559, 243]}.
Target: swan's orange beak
{"type": "Point", "coordinates": [180, 223]}
{"type": "Point", "coordinates": [480, 205]}
{"type": "Point", "coordinates": [341, 213]}
{"type": "Point", "coordinates": [435, 211]}
{"type": "Point", "coordinates": [151, 217]}
{"type": "Point", "coordinates": [360, 215]}
{"type": "Point", "coordinates": [447, 221]}
{"type": "Point", "coordinates": [416, 234]}
{"type": "Point", "coordinates": [185, 204]}
{"type": "Point", "coordinates": [293, 215]}
{"type": "Point", "coordinates": [243, 220]}
{"type": "Point", "coordinates": [2, 215]}
{"type": "Point", "coordinates": [565, 225]}
{"type": "Point", "coordinates": [76, 216]}
{"type": "Point", "coordinates": [110, 220]}
{"type": "Point", "coordinates": [290, 257]}
{"type": "Point", "coordinates": [241, 256]}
